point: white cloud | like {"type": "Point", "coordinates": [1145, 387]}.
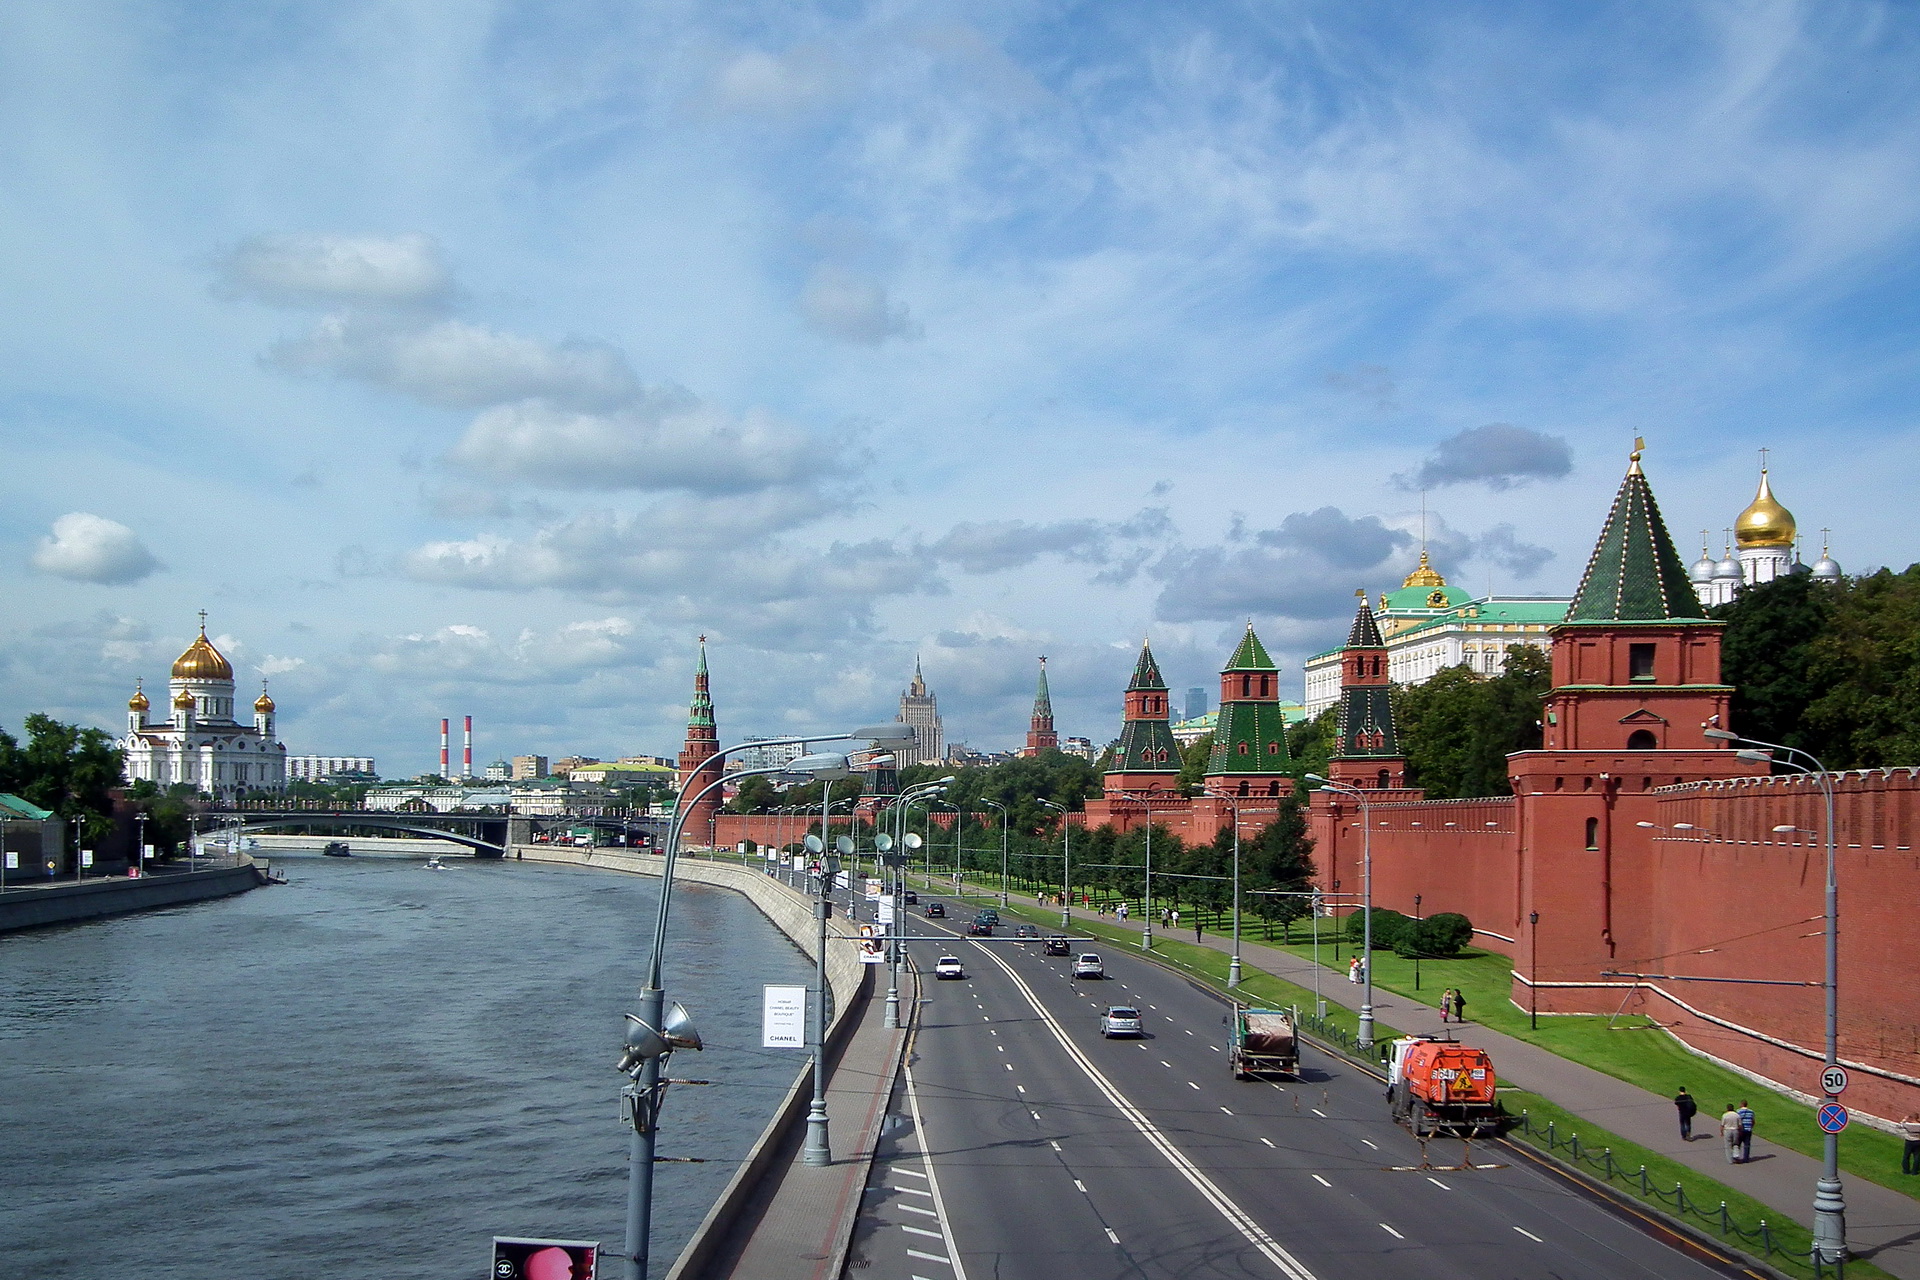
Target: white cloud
{"type": "Point", "coordinates": [325, 269]}
{"type": "Point", "coordinates": [665, 441]}
{"type": "Point", "coordinates": [90, 548]}
{"type": "Point", "coordinates": [853, 308]}
{"type": "Point", "coordinates": [459, 365]}
{"type": "Point", "coordinates": [762, 82]}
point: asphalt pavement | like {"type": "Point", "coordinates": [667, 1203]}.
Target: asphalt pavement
{"type": "Point", "coordinates": [1021, 1144]}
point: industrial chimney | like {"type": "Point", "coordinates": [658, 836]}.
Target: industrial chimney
{"type": "Point", "coordinates": [466, 751]}
{"type": "Point", "coordinates": [443, 749]}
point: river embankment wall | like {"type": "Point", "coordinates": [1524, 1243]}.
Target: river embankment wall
{"type": "Point", "coordinates": [847, 978]}
{"type": "Point", "coordinates": [44, 905]}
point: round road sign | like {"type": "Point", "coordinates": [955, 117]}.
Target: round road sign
{"type": "Point", "coordinates": [1833, 1118]}
{"type": "Point", "coordinates": [1834, 1081]}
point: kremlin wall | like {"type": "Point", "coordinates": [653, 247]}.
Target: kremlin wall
{"type": "Point", "coordinates": [1638, 865]}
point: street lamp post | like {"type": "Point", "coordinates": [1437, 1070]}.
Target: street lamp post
{"type": "Point", "coordinates": [1366, 877]}
{"type": "Point", "coordinates": [1066, 864]}
{"type": "Point", "coordinates": [1533, 971]}
{"type": "Point", "coordinates": [1233, 965]}
{"type": "Point", "coordinates": [651, 1036]}
{"type": "Point", "coordinates": [1003, 847]}
{"type": "Point", "coordinates": [1829, 1201]}
{"type": "Point", "coordinates": [895, 860]}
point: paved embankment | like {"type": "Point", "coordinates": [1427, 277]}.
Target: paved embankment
{"type": "Point", "coordinates": [779, 1217]}
{"type": "Point", "coordinates": [48, 904]}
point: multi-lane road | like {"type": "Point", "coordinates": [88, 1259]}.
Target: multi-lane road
{"type": "Point", "coordinates": [1021, 1145]}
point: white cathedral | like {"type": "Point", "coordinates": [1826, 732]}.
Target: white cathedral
{"type": "Point", "coordinates": [1768, 539]}
{"type": "Point", "coordinates": [201, 743]}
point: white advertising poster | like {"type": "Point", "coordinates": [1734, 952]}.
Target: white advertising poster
{"type": "Point", "coordinates": [870, 950]}
{"type": "Point", "coordinates": [86, 857]}
{"type": "Point", "coordinates": [873, 887]}
{"type": "Point", "coordinates": [885, 913]}
{"type": "Point", "coordinates": [783, 1018]}
{"type": "Point", "coordinates": [13, 860]}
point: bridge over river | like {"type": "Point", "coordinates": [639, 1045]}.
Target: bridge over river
{"type": "Point", "coordinates": [488, 834]}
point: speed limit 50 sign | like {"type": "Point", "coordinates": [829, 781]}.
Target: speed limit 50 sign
{"type": "Point", "coordinates": [1833, 1081]}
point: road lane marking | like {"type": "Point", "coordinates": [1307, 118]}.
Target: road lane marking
{"type": "Point", "coordinates": [1390, 1231]}
{"type": "Point", "coordinates": [1053, 1144]}
{"type": "Point", "coordinates": [1317, 1111]}
{"type": "Point", "coordinates": [914, 1208]}
{"type": "Point", "coordinates": [1035, 1114]}
{"type": "Point", "coordinates": [1166, 1064]}
{"type": "Point", "coordinates": [1214, 1047]}
{"type": "Point", "coordinates": [1228, 1112]}
{"type": "Point", "coordinates": [1079, 1186]}
{"type": "Point", "coordinates": [910, 1173]}
{"type": "Point", "coordinates": [1022, 1088]}
{"type": "Point", "coordinates": [999, 1048]}
{"type": "Point", "coordinates": [912, 1191]}
{"type": "Point", "coordinates": [1268, 1141]}
{"type": "Point", "coordinates": [1192, 1085]}
{"type": "Point", "coordinates": [1529, 1235]}
{"type": "Point", "coordinates": [1322, 1181]}
{"type": "Point", "coordinates": [1241, 1221]}
{"type": "Point", "coordinates": [1436, 1182]}
{"type": "Point", "coordinates": [933, 1180]}
{"type": "Point", "coordinates": [930, 1257]}
{"type": "Point", "coordinates": [1009, 1066]}
{"type": "Point", "coordinates": [1369, 1144]}
{"type": "Point", "coordinates": [922, 1231]}
{"type": "Point", "coordinates": [1189, 1032]}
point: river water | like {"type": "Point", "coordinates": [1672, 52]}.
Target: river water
{"type": "Point", "coordinates": [369, 1072]}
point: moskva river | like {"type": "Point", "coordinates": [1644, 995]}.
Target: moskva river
{"type": "Point", "coordinates": [367, 1073]}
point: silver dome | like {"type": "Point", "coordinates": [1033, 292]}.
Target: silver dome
{"type": "Point", "coordinates": [1825, 569]}
{"type": "Point", "coordinates": [1729, 568]}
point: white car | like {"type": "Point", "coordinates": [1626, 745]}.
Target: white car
{"type": "Point", "coordinates": [948, 967]}
{"type": "Point", "coordinates": [1121, 1020]}
{"type": "Point", "coordinates": [1087, 965]}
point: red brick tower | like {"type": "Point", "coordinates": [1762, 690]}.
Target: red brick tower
{"type": "Point", "coordinates": [1249, 756]}
{"type": "Point", "coordinates": [697, 767]}
{"type": "Point", "coordinates": [1040, 734]}
{"type": "Point", "coordinates": [1147, 757]}
{"type": "Point", "coordinates": [1366, 751]}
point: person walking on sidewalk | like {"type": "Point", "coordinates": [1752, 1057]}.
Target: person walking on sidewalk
{"type": "Point", "coordinates": [1910, 1148]}
{"type": "Point", "coordinates": [1746, 1131]}
{"type": "Point", "coordinates": [1459, 1006]}
{"type": "Point", "coordinates": [1683, 1103]}
{"type": "Point", "coordinates": [1730, 1133]}
{"type": "Point", "coordinates": [1353, 971]}
{"type": "Point", "coordinates": [1446, 1004]}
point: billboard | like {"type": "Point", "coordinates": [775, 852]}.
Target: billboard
{"type": "Point", "coordinates": [522, 1258]}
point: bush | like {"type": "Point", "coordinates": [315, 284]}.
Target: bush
{"type": "Point", "coordinates": [1388, 926]}
{"type": "Point", "coordinates": [1436, 937]}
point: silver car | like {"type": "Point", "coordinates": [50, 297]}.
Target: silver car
{"type": "Point", "coordinates": [1121, 1020]}
{"type": "Point", "coordinates": [1087, 965]}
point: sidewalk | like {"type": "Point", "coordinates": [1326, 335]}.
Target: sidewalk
{"type": "Point", "coordinates": [1883, 1227]}
{"type": "Point", "coordinates": [798, 1225]}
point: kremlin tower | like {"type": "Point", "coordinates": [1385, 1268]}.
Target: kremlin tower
{"type": "Point", "coordinates": [1366, 751]}
{"type": "Point", "coordinates": [1249, 756]}
{"type": "Point", "coordinates": [1147, 758]}
{"type": "Point", "coordinates": [1040, 734]}
{"type": "Point", "coordinates": [698, 763]}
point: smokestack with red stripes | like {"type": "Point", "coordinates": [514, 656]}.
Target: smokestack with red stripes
{"type": "Point", "coordinates": [466, 751]}
{"type": "Point", "coordinates": [443, 748]}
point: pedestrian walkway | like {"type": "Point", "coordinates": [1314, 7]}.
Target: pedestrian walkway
{"type": "Point", "coordinates": [1883, 1226]}
{"type": "Point", "coordinates": [797, 1226]}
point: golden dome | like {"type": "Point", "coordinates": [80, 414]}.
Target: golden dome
{"type": "Point", "coordinates": [202, 661]}
{"type": "Point", "coordinates": [263, 702]}
{"type": "Point", "coordinates": [1424, 576]}
{"type": "Point", "coordinates": [1765, 523]}
{"type": "Point", "coordinates": [138, 702]}
{"type": "Point", "coordinates": [183, 701]}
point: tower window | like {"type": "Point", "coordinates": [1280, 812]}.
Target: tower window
{"type": "Point", "coordinates": [1642, 740]}
{"type": "Point", "coordinates": [1246, 685]}
{"type": "Point", "coordinates": [1640, 662]}
{"type": "Point", "coordinates": [1593, 833]}
{"type": "Point", "coordinates": [1383, 780]}
{"type": "Point", "coordinates": [1243, 748]}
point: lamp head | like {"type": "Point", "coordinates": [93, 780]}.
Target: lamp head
{"type": "Point", "coordinates": [1756, 757]}
{"type": "Point", "coordinates": [883, 842]}
{"type": "Point", "coordinates": [1721, 735]}
{"type": "Point", "coordinates": [827, 766]}
{"type": "Point", "coordinates": [913, 840]}
{"type": "Point", "coordinates": [1314, 777]}
{"type": "Point", "coordinates": [843, 845]}
{"type": "Point", "coordinates": [893, 734]}
{"type": "Point", "coordinates": [814, 843]}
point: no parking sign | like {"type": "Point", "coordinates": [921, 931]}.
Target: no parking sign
{"type": "Point", "coordinates": [1833, 1118]}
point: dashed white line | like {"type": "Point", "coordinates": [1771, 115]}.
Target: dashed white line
{"type": "Point", "coordinates": [1317, 1111]}
{"type": "Point", "coordinates": [1022, 1088]}
{"type": "Point", "coordinates": [1189, 1031]}
{"type": "Point", "coordinates": [999, 1048]}
{"type": "Point", "coordinates": [914, 1208]}
{"type": "Point", "coordinates": [1009, 1066]}
{"type": "Point", "coordinates": [921, 1231]}
{"type": "Point", "coordinates": [1214, 1047]}
{"type": "Point", "coordinates": [910, 1173]}
{"type": "Point", "coordinates": [1529, 1235]}
{"type": "Point", "coordinates": [1053, 1144]}
{"type": "Point", "coordinates": [912, 1191]}
{"type": "Point", "coordinates": [930, 1257]}
{"type": "Point", "coordinates": [1228, 1112]}
{"type": "Point", "coordinates": [1192, 1085]}
{"type": "Point", "coordinates": [1079, 1186]}
{"type": "Point", "coordinates": [1390, 1231]}
{"type": "Point", "coordinates": [1436, 1182]}
{"type": "Point", "coordinates": [1322, 1181]}
{"type": "Point", "coordinates": [1369, 1144]}
{"type": "Point", "coordinates": [1268, 1141]}
{"type": "Point", "coordinates": [1111, 1236]}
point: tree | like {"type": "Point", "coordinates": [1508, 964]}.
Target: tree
{"type": "Point", "coordinates": [65, 768]}
{"type": "Point", "coordinates": [1278, 866]}
{"type": "Point", "coordinates": [1458, 728]}
{"type": "Point", "coordinates": [1865, 667]}
{"type": "Point", "coordinates": [1193, 765]}
{"type": "Point", "coordinates": [1310, 745]}
{"type": "Point", "coordinates": [1436, 937]}
{"type": "Point", "coordinates": [1388, 927]}
{"type": "Point", "coordinates": [756, 795]}
{"type": "Point", "coordinates": [169, 814]}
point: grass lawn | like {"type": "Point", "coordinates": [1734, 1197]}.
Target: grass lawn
{"type": "Point", "coordinates": [1641, 1055]}
{"type": "Point", "coordinates": [1662, 1173]}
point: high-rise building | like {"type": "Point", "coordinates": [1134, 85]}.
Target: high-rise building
{"type": "Point", "coordinates": [920, 711]}
{"type": "Point", "coordinates": [314, 768]}
{"type": "Point", "coordinates": [529, 768]}
{"type": "Point", "coordinates": [1197, 701]}
{"type": "Point", "coordinates": [1040, 734]}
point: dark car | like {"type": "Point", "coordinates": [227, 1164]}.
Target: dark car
{"type": "Point", "coordinates": [980, 929]}
{"type": "Point", "coordinates": [1057, 946]}
{"type": "Point", "coordinates": [937, 910]}
{"type": "Point", "coordinates": [1025, 931]}
{"type": "Point", "coordinates": [912, 898]}
{"type": "Point", "coordinates": [988, 914]}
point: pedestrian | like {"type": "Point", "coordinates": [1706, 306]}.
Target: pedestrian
{"type": "Point", "coordinates": [1746, 1131]}
{"type": "Point", "coordinates": [1459, 1005]}
{"type": "Point", "coordinates": [1446, 1004]}
{"type": "Point", "coordinates": [1353, 971]}
{"type": "Point", "coordinates": [1730, 1133]}
{"type": "Point", "coordinates": [1910, 1150]}
{"type": "Point", "coordinates": [1683, 1103]}
{"type": "Point", "coordinates": [1196, 930]}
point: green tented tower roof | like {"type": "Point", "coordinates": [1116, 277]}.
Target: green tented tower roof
{"type": "Point", "coordinates": [1635, 574]}
{"type": "Point", "coordinates": [1251, 655]}
{"type": "Point", "coordinates": [1146, 672]}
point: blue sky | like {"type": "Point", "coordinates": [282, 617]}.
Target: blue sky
{"type": "Point", "coordinates": [474, 359]}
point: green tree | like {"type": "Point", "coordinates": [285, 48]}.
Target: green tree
{"type": "Point", "coordinates": [1458, 728]}
{"type": "Point", "coordinates": [1193, 765]}
{"type": "Point", "coordinates": [1277, 867]}
{"type": "Point", "coordinates": [65, 768]}
{"type": "Point", "coordinates": [1864, 671]}
{"type": "Point", "coordinates": [757, 794]}
{"type": "Point", "coordinates": [1767, 651]}
{"type": "Point", "coordinates": [169, 814]}
{"type": "Point", "coordinates": [1310, 745]}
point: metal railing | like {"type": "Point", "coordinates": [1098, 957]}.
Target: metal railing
{"type": "Point", "coordinates": [1760, 1240]}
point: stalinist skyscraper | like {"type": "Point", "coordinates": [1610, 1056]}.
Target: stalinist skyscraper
{"type": "Point", "coordinates": [921, 710]}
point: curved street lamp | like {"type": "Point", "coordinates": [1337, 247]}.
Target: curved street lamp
{"type": "Point", "coordinates": [1066, 863]}
{"type": "Point", "coordinates": [643, 1061]}
{"type": "Point", "coordinates": [1003, 847]}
